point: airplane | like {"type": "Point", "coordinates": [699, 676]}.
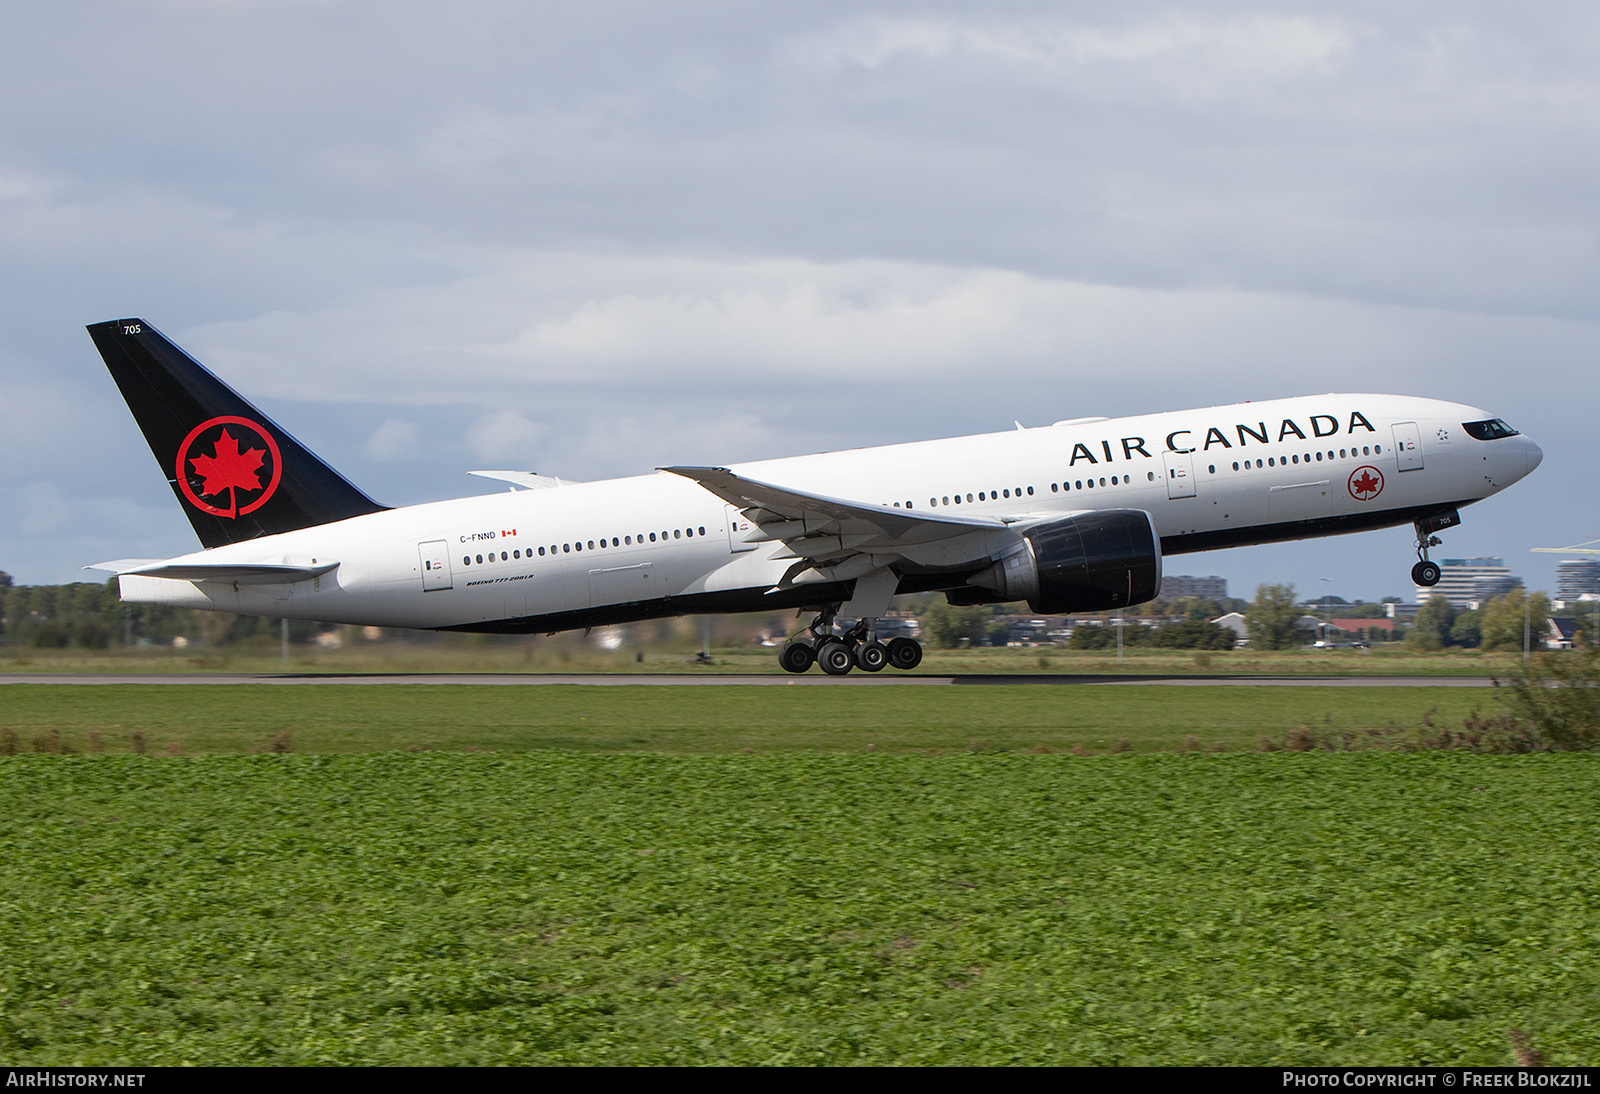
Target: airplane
{"type": "Point", "coordinates": [1072, 517]}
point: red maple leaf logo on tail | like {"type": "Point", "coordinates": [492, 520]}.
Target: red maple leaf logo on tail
{"type": "Point", "coordinates": [229, 469]}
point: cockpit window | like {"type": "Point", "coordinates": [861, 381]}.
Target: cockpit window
{"type": "Point", "coordinates": [1488, 431]}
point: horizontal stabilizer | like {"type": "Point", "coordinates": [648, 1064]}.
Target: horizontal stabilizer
{"type": "Point", "coordinates": [248, 573]}
{"type": "Point", "coordinates": [125, 565]}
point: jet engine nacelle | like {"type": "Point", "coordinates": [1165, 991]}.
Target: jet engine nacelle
{"type": "Point", "coordinates": [1088, 563]}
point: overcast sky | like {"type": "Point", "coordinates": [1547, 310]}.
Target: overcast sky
{"type": "Point", "coordinates": [592, 239]}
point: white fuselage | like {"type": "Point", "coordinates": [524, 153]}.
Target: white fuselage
{"type": "Point", "coordinates": [650, 545]}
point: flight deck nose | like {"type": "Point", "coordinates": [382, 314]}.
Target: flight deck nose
{"type": "Point", "coordinates": [1535, 455]}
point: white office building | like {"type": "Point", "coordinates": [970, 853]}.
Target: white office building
{"type": "Point", "coordinates": [1576, 577]}
{"type": "Point", "coordinates": [1468, 582]}
{"type": "Point", "coordinates": [1174, 586]}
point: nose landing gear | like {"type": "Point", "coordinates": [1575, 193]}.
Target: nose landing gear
{"type": "Point", "coordinates": [1426, 572]}
{"type": "Point", "coordinates": [838, 653]}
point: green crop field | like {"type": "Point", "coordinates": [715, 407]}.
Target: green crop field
{"type": "Point", "coordinates": [567, 907]}
{"type": "Point", "coordinates": [365, 718]}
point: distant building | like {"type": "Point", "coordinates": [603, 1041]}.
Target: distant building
{"type": "Point", "coordinates": [1310, 624]}
{"type": "Point", "coordinates": [898, 626]}
{"type": "Point", "coordinates": [1575, 577]}
{"type": "Point", "coordinates": [1235, 622]}
{"type": "Point", "coordinates": [1360, 627]}
{"type": "Point", "coordinates": [1468, 582]}
{"type": "Point", "coordinates": [1563, 632]}
{"type": "Point", "coordinates": [1028, 632]}
{"type": "Point", "coordinates": [1202, 588]}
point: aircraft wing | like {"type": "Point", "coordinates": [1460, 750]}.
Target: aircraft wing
{"type": "Point", "coordinates": [786, 514]}
{"type": "Point", "coordinates": [833, 538]}
{"type": "Point", "coordinates": [254, 573]}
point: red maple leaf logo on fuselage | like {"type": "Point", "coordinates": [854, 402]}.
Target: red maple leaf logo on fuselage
{"type": "Point", "coordinates": [1365, 483]}
{"type": "Point", "coordinates": [229, 469]}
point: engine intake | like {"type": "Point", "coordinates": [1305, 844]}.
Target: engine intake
{"type": "Point", "coordinates": [1088, 563]}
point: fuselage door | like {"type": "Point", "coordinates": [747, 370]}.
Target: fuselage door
{"type": "Point", "coordinates": [623, 585]}
{"type": "Point", "coordinates": [435, 557]}
{"type": "Point", "coordinates": [739, 526]}
{"type": "Point", "coordinates": [1408, 445]}
{"type": "Point", "coordinates": [1180, 474]}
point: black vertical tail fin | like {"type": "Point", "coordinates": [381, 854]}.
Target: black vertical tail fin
{"type": "Point", "coordinates": [237, 475]}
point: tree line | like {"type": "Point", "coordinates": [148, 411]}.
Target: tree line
{"type": "Point", "coordinates": [1187, 626]}
{"type": "Point", "coordinates": [90, 615]}
{"type": "Point", "coordinates": [1496, 625]}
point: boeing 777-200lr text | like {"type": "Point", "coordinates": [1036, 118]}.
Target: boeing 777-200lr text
{"type": "Point", "coordinates": [1076, 516]}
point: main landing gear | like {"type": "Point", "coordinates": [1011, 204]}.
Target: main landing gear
{"type": "Point", "coordinates": [839, 652]}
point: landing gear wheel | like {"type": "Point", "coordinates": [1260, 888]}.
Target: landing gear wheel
{"type": "Point", "coordinates": [835, 658]}
{"type": "Point", "coordinates": [905, 653]}
{"type": "Point", "coordinates": [1426, 574]}
{"type": "Point", "coordinates": [796, 657]}
{"type": "Point", "coordinates": [872, 656]}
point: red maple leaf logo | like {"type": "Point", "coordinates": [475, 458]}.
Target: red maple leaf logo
{"type": "Point", "coordinates": [229, 469]}
{"type": "Point", "coordinates": [1365, 483]}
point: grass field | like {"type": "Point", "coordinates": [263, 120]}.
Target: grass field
{"type": "Point", "coordinates": [562, 907]}
{"type": "Point", "coordinates": [570, 653]}
{"type": "Point", "coordinates": [364, 718]}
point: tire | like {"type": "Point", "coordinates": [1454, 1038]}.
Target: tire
{"type": "Point", "coordinates": [796, 657]}
{"type": "Point", "coordinates": [1426, 574]}
{"type": "Point", "coordinates": [905, 653]}
{"type": "Point", "coordinates": [835, 658]}
{"type": "Point", "coordinates": [871, 656]}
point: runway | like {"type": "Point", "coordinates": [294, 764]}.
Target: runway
{"type": "Point", "coordinates": [728, 679]}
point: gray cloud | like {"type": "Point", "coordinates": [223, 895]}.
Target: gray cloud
{"type": "Point", "coordinates": [395, 439]}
